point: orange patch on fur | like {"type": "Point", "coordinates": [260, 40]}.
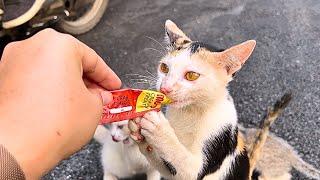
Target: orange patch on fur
{"type": "Point", "coordinates": [241, 145]}
{"type": "Point", "coordinates": [212, 59]}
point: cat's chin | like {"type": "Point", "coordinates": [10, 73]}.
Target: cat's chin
{"type": "Point", "coordinates": [179, 104]}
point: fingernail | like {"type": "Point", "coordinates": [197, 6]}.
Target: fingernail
{"type": "Point", "coordinates": [106, 97]}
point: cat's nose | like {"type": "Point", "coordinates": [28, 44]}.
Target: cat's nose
{"type": "Point", "coordinates": [165, 90]}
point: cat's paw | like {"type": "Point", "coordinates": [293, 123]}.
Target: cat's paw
{"type": "Point", "coordinates": [156, 129]}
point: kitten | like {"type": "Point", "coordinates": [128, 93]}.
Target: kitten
{"type": "Point", "coordinates": [120, 156]}
{"type": "Point", "coordinates": [198, 139]}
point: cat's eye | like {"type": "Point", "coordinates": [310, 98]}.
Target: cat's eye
{"type": "Point", "coordinates": [164, 68]}
{"type": "Point", "coordinates": [192, 76]}
{"type": "Point", "coordinates": [120, 127]}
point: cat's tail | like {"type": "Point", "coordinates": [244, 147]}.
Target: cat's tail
{"type": "Point", "coordinates": [304, 167]}
{"type": "Point", "coordinates": [101, 134]}
{"type": "Point", "coordinates": [254, 150]}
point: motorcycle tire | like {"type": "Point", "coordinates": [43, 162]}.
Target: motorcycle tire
{"type": "Point", "coordinates": [86, 22]}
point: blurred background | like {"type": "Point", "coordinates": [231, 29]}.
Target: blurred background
{"type": "Point", "coordinates": [286, 58]}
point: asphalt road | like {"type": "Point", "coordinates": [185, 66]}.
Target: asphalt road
{"type": "Point", "coordinates": [286, 58]}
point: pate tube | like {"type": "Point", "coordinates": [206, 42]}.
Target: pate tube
{"type": "Point", "coordinates": [132, 103]}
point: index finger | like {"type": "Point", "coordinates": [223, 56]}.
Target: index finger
{"type": "Point", "coordinates": [96, 69]}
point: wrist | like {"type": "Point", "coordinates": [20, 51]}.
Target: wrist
{"type": "Point", "coordinates": [28, 166]}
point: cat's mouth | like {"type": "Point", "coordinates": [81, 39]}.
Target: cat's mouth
{"type": "Point", "coordinates": [115, 139]}
{"type": "Point", "coordinates": [126, 141]}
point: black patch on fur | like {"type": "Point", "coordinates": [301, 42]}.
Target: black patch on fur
{"type": "Point", "coordinates": [170, 167]}
{"type": "Point", "coordinates": [196, 45]}
{"type": "Point", "coordinates": [255, 174]}
{"type": "Point", "coordinates": [240, 168]}
{"type": "Point", "coordinates": [216, 149]}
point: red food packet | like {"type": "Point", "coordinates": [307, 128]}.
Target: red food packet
{"type": "Point", "coordinates": [132, 103]}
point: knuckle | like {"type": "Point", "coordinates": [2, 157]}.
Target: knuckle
{"type": "Point", "coordinates": [51, 33]}
{"type": "Point", "coordinates": [67, 37]}
{"type": "Point", "coordinates": [48, 31]}
{"type": "Point", "coordinates": [11, 46]}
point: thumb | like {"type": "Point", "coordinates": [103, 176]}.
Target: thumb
{"type": "Point", "coordinates": [106, 97]}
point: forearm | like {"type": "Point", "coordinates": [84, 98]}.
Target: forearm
{"type": "Point", "coordinates": [180, 162]}
{"type": "Point", "coordinates": [26, 148]}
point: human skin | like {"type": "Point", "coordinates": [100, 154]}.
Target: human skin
{"type": "Point", "coordinates": [52, 89]}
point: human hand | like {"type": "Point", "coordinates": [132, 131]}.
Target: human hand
{"type": "Point", "coordinates": [52, 89]}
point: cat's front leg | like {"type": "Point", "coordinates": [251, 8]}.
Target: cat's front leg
{"type": "Point", "coordinates": [163, 149]}
{"type": "Point", "coordinates": [157, 130]}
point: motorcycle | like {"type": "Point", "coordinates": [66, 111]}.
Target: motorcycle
{"type": "Point", "coordinates": [71, 16]}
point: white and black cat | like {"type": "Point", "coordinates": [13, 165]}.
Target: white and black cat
{"type": "Point", "coordinates": [120, 156]}
{"type": "Point", "coordinates": [198, 138]}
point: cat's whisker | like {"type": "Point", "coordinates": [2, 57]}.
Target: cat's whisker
{"type": "Point", "coordinates": [137, 83]}
{"type": "Point", "coordinates": [152, 75]}
{"type": "Point", "coordinates": [139, 75]}
{"type": "Point", "coordinates": [142, 76]}
{"type": "Point", "coordinates": [143, 79]}
{"type": "Point", "coordinates": [162, 54]}
{"type": "Point", "coordinates": [156, 42]}
{"type": "Point", "coordinates": [139, 80]}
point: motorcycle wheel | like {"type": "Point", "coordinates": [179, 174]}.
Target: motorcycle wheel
{"type": "Point", "coordinates": [87, 21]}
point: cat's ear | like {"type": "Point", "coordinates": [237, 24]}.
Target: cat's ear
{"type": "Point", "coordinates": [174, 36]}
{"type": "Point", "coordinates": [233, 58]}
